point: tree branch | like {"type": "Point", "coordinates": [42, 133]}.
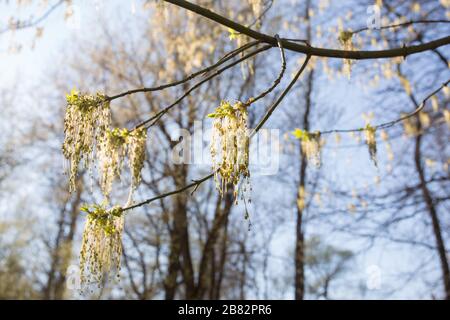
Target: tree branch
{"type": "Point", "coordinates": [29, 24]}
{"type": "Point", "coordinates": [393, 122]}
{"type": "Point", "coordinates": [277, 80]}
{"type": "Point", "coordinates": [283, 94]}
{"type": "Point", "coordinates": [403, 24]}
{"type": "Point", "coordinates": [312, 51]}
{"type": "Point", "coordinates": [221, 61]}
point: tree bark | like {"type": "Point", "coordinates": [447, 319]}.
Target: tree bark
{"type": "Point", "coordinates": [62, 249]}
{"type": "Point", "coordinates": [431, 208]}
{"type": "Point", "coordinates": [205, 276]}
{"type": "Point", "coordinates": [437, 229]}
{"type": "Point", "coordinates": [300, 236]}
{"type": "Point", "coordinates": [309, 50]}
{"type": "Point", "coordinates": [180, 256]}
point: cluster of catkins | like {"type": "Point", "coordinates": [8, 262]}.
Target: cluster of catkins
{"type": "Point", "coordinates": [101, 247]}
{"type": "Point", "coordinates": [115, 145]}
{"type": "Point", "coordinates": [230, 144]}
{"type": "Point", "coordinates": [88, 136]}
{"type": "Point", "coordinates": [87, 119]}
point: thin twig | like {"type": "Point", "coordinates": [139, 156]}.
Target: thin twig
{"type": "Point", "coordinates": [196, 183]}
{"type": "Point", "coordinates": [30, 24]}
{"type": "Point", "coordinates": [277, 80]}
{"type": "Point", "coordinates": [393, 122]}
{"type": "Point", "coordinates": [280, 98]}
{"type": "Point", "coordinates": [402, 24]}
{"type": "Point", "coordinates": [154, 119]}
{"type": "Point", "coordinates": [222, 60]}
{"type": "Point", "coordinates": [259, 18]}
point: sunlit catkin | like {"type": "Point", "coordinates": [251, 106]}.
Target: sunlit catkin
{"type": "Point", "coordinates": [101, 248]}
{"type": "Point", "coordinates": [136, 149]}
{"type": "Point", "coordinates": [230, 147]}
{"type": "Point", "coordinates": [113, 147]}
{"type": "Point", "coordinates": [371, 142]}
{"type": "Point", "coordinates": [111, 153]}
{"type": "Point", "coordinates": [86, 120]}
{"type": "Point", "coordinates": [311, 144]}
{"type": "Point", "coordinates": [346, 41]}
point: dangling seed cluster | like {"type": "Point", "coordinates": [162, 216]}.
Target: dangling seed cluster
{"type": "Point", "coordinates": [230, 147]}
{"type": "Point", "coordinates": [116, 144]}
{"type": "Point", "coordinates": [87, 118]}
{"type": "Point", "coordinates": [101, 248]}
{"type": "Point", "coordinates": [345, 39]}
{"type": "Point", "coordinates": [88, 133]}
{"type": "Point", "coordinates": [136, 142]}
{"type": "Point", "coordinates": [111, 154]}
{"type": "Point", "coordinates": [311, 145]}
{"type": "Point", "coordinates": [371, 141]}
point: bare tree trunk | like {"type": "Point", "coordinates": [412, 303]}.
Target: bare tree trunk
{"type": "Point", "coordinates": [300, 247]}
{"type": "Point", "coordinates": [300, 236]}
{"type": "Point", "coordinates": [220, 218]}
{"type": "Point", "coordinates": [62, 250]}
{"type": "Point", "coordinates": [186, 265]}
{"type": "Point", "coordinates": [437, 229]}
{"type": "Point", "coordinates": [170, 282]}
{"type": "Point", "coordinates": [222, 262]}
{"type": "Point", "coordinates": [180, 256]}
{"type": "Point", "coordinates": [243, 275]}
{"type": "Point", "coordinates": [431, 208]}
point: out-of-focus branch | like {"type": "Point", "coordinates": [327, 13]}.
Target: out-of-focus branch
{"type": "Point", "coordinates": [29, 24]}
{"type": "Point", "coordinates": [393, 122]}
{"type": "Point", "coordinates": [263, 13]}
{"type": "Point", "coordinates": [402, 24]}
